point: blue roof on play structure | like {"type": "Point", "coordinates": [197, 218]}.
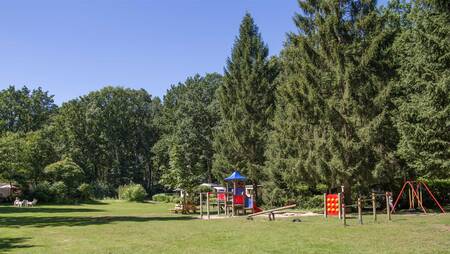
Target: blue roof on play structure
{"type": "Point", "coordinates": [236, 176]}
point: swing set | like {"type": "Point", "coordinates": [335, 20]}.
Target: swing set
{"type": "Point", "coordinates": [415, 193]}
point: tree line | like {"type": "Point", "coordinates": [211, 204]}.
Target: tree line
{"type": "Point", "coordinates": [359, 96]}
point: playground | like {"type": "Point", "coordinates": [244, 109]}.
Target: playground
{"type": "Point", "coordinates": [228, 220]}
{"type": "Point", "coordinates": [124, 227]}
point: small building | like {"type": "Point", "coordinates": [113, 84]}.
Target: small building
{"type": "Point", "coordinates": [6, 190]}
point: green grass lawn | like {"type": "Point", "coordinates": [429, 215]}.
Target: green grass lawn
{"type": "Point", "coordinates": [121, 227]}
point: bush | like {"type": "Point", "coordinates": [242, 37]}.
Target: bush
{"type": "Point", "coordinates": [132, 192]}
{"type": "Point", "coordinates": [176, 199]}
{"type": "Point", "coordinates": [65, 171]}
{"type": "Point", "coordinates": [101, 190]}
{"type": "Point", "coordinates": [42, 192]}
{"type": "Point", "coordinates": [314, 202]}
{"type": "Point", "coordinates": [274, 197]}
{"type": "Point", "coordinates": [85, 191]}
{"type": "Point", "coordinates": [322, 188]}
{"type": "Point", "coordinates": [59, 191]}
{"type": "Point", "coordinates": [166, 198]}
{"type": "Point", "coordinates": [440, 189]}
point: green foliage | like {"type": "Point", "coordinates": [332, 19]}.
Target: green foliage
{"type": "Point", "coordinates": [60, 192]}
{"type": "Point", "coordinates": [132, 192]}
{"type": "Point", "coordinates": [166, 198]}
{"type": "Point", "coordinates": [189, 115]}
{"type": "Point", "coordinates": [275, 196]}
{"type": "Point", "coordinates": [109, 133]}
{"type": "Point", "coordinates": [440, 189]}
{"type": "Point", "coordinates": [65, 171]}
{"type": "Point", "coordinates": [246, 101]}
{"type": "Point", "coordinates": [311, 202]}
{"type": "Point", "coordinates": [359, 96]}
{"type": "Point", "coordinates": [24, 110]}
{"type": "Point", "coordinates": [101, 190]}
{"type": "Point", "coordinates": [202, 188]}
{"type": "Point", "coordinates": [423, 85]}
{"type": "Point", "coordinates": [85, 191]}
{"type": "Point", "coordinates": [42, 192]}
{"type": "Point", "coordinates": [13, 166]}
{"type": "Point", "coordinates": [322, 188]}
{"type": "Point", "coordinates": [333, 117]}
{"type": "Point", "coordinates": [38, 151]}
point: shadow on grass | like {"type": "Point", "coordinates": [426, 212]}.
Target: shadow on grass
{"type": "Point", "coordinates": [15, 210]}
{"type": "Point", "coordinates": [80, 221]}
{"type": "Point", "coordinates": [7, 244]}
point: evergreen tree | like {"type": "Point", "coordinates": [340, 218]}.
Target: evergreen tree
{"type": "Point", "coordinates": [246, 102]}
{"type": "Point", "coordinates": [332, 123]}
{"type": "Point", "coordinates": [423, 119]}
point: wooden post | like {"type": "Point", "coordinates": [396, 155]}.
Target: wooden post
{"type": "Point", "coordinates": [207, 205]}
{"type": "Point", "coordinates": [344, 217]}
{"type": "Point", "coordinates": [388, 206]}
{"type": "Point", "coordinates": [252, 197]}
{"type": "Point", "coordinates": [360, 211]}
{"type": "Point", "coordinates": [374, 207]}
{"type": "Point", "coordinates": [340, 206]}
{"type": "Point", "coordinates": [233, 208]}
{"type": "Point", "coordinates": [226, 200]}
{"type": "Point", "coordinates": [325, 205]}
{"type": "Point", "coordinates": [201, 205]}
{"type": "Point", "coordinates": [218, 204]}
{"type": "Point", "coordinates": [183, 211]}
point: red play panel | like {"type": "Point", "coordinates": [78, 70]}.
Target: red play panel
{"type": "Point", "coordinates": [238, 199]}
{"type": "Point", "coordinates": [221, 196]}
{"type": "Point", "coordinates": [332, 204]}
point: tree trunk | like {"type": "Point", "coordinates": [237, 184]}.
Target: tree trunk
{"type": "Point", "coordinates": [255, 192]}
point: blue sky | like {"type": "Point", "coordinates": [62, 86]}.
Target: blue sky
{"type": "Point", "coordinates": [73, 47]}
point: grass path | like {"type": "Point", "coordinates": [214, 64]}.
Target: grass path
{"type": "Point", "coordinates": [120, 227]}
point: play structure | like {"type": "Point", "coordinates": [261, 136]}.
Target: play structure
{"type": "Point", "coordinates": [415, 193]}
{"type": "Point", "coordinates": [334, 205]}
{"type": "Point", "coordinates": [233, 199]}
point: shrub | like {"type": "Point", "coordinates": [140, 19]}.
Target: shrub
{"type": "Point", "coordinates": [85, 191]}
{"type": "Point", "coordinates": [65, 171]}
{"type": "Point", "coordinates": [166, 198]}
{"type": "Point", "coordinates": [322, 188]}
{"type": "Point", "coordinates": [314, 202]}
{"type": "Point", "coordinates": [59, 191]}
{"type": "Point", "coordinates": [132, 192]}
{"type": "Point", "coordinates": [176, 199]}
{"type": "Point", "coordinates": [275, 196]}
{"type": "Point", "coordinates": [42, 192]}
{"type": "Point", "coordinates": [440, 189]}
{"type": "Point", "coordinates": [101, 190]}
{"type": "Point", "coordinates": [203, 188]}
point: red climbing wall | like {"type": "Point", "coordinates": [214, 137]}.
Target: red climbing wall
{"type": "Point", "coordinates": [332, 204]}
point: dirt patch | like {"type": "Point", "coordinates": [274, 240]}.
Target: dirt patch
{"type": "Point", "coordinates": [278, 215]}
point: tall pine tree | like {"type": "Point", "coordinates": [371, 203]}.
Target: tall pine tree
{"type": "Point", "coordinates": [246, 102]}
{"type": "Point", "coordinates": [332, 123]}
{"type": "Point", "coordinates": [423, 117]}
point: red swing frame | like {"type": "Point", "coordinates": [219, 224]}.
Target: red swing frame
{"type": "Point", "coordinates": [415, 194]}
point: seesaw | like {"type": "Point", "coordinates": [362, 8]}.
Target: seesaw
{"type": "Point", "coordinates": [270, 212]}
